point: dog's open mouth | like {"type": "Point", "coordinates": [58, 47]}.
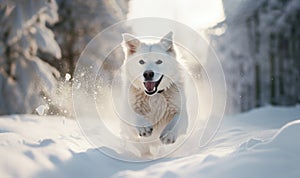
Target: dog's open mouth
{"type": "Point", "coordinates": [151, 86]}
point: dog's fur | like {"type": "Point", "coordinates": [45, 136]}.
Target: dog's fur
{"type": "Point", "coordinates": [154, 112]}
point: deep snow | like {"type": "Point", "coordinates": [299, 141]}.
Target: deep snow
{"type": "Point", "coordinates": [260, 143]}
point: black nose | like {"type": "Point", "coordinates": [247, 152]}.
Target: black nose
{"type": "Point", "coordinates": [148, 74]}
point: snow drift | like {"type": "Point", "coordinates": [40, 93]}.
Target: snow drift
{"type": "Point", "coordinates": [260, 143]}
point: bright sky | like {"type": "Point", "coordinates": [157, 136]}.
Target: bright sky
{"type": "Point", "coordinates": [198, 14]}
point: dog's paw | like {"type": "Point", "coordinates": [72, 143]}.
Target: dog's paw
{"type": "Point", "coordinates": [168, 137]}
{"type": "Point", "coordinates": [145, 131]}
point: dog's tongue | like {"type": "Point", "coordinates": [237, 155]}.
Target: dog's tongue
{"type": "Point", "coordinates": [149, 85]}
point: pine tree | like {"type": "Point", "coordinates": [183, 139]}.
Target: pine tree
{"type": "Point", "coordinates": [26, 46]}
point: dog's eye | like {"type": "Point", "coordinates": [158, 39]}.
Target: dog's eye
{"type": "Point", "coordinates": [158, 61]}
{"type": "Point", "coordinates": [141, 61]}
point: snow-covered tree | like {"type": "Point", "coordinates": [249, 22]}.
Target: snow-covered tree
{"type": "Point", "coordinates": [26, 46]}
{"type": "Point", "coordinates": [31, 59]}
{"type": "Point", "coordinates": [80, 21]}
{"type": "Point", "coordinates": [260, 52]}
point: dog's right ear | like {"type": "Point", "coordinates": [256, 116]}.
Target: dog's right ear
{"type": "Point", "coordinates": [167, 42]}
{"type": "Point", "coordinates": [130, 43]}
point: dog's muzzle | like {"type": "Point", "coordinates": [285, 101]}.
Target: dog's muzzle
{"type": "Point", "coordinates": [151, 86]}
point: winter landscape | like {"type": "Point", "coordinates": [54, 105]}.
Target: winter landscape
{"type": "Point", "coordinates": [247, 119]}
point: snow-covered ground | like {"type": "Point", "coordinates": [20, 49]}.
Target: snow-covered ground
{"type": "Point", "coordinates": [260, 143]}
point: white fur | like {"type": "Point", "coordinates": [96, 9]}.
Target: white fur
{"type": "Point", "coordinates": [164, 113]}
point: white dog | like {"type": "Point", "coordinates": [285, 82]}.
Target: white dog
{"type": "Point", "coordinates": [155, 103]}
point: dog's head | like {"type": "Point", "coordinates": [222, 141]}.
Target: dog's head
{"type": "Point", "coordinates": [150, 66]}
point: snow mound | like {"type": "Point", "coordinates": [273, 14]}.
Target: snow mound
{"type": "Point", "coordinates": [284, 138]}
{"type": "Point", "coordinates": [277, 158]}
{"type": "Point", "coordinates": [43, 146]}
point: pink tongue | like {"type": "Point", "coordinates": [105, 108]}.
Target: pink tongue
{"type": "Point", "coordinates": [149, 85]}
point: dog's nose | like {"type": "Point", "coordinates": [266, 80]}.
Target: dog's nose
{"type": "Point", "coordinates": [148, 74]}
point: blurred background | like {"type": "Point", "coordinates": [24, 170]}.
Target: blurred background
{"type": "Point", "coordinates": [257, 43]}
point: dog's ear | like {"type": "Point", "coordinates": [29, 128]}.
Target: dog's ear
{"type": "Point", "coordinates": [167, 42]}
{"type": "Point", "coordinates": [130, 43]}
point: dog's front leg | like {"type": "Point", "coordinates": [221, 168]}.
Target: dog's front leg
{"type": "Point", "coordinates": [139, 122]}
{"type": "Point", "coordinates": [143, 126]}
{"type": "Point", "coordinates": [178, 125]}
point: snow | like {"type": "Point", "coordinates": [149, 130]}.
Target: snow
{"type": "Point", "coordinates": [67, 77]}
{"type": "Point", "coordinates": [41, 109]}
{"type": "Point", "coordinates": [260, 143]}
{"type": "Point", "coordinates": [45, 40]}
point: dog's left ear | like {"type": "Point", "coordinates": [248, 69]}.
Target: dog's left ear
{"type": "Point", "coordinates": [167, 41]}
